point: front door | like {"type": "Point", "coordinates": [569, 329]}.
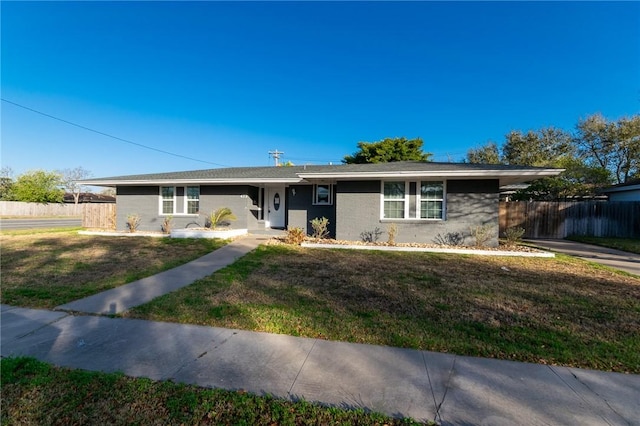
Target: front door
{"type": "Point", "coordinates": [275, 206]}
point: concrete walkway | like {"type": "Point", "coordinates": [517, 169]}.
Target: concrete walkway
{"type": "Point", "coordinates": [625, 261]}
{"type": "Point", "coordinates": [120, 299]}
{"type": "Point", "coordinates": [450, 389]}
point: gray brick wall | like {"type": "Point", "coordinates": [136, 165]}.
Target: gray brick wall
{"type": "Point", "coordinates": [356, 209]}
{"type": "Point", "coordinates": [141, 200]}
{"type": "Point", "coordinates": [144, 201]}
{"type": "Point", "coordinates": [235, 197]}
{"type": "Point", "coordinates": [468, 203]}
{"type": "Point", "coordinates": [302, 211]}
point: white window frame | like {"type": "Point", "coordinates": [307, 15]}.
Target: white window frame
{"type": "Point", "coordinates": [162, 199]}
{"type": "Point", "coordinates": [419, 200]}
{"type": "Point", "coordinates": [315, 195]}
{"type": "Point", "coordinates": [407, 201]}
{"type": "Point", "coordinates": [175, 201]}
{"type": "Point", "coordinates": [187, 199]}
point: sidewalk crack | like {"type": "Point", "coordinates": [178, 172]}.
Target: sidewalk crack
{"type": "Point", "coordinates": [302, 366]}
{"type": "Point", "coordinates": [41, 327]}
{"type": "Point", "coordinates": [446, 389]}
{"type": "Point", "coordinates": [589, 388]}
{"type": "Point", "coordinates": [207, 348]}
{"type": "Point", "coordinates": [433, 395]}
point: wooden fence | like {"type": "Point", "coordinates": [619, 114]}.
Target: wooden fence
{"type": "Point", "coordinates": [557, 219]}
{"type": "Point", "coordinates": [99, 216]}
{"type": "Point", "coordinates": [18, 208]}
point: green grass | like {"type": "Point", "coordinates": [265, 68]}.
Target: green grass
{"type": "Point", "coordinates": [550, 311]}
{"type": "Point", "coordinates": [632, 245]}
{"type": "Point", "coordinates": [47, 269]}
{"type": "Point", "coordinates": [37, 393]}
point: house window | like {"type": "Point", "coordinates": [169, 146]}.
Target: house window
{"type": "Point", "coordinates": [322, 194]}
{"type": "Point", "coordinates": [193, 199]}
{"type": "Point", "coordinates": [168, 199]}
{"type": "Point", "coordinates": [431, 200]}
{"type": "Point", "coordinates": [413, 200]}
{"type": "Point", "coordinates": [394, 200]}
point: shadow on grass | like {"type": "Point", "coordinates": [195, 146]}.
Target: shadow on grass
{"type": "Point", "coordinates": [46, 270]}
{"type": "Point", "coordinates": [538, 310]}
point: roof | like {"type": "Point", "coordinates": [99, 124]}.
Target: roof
{"type": "Point", "coordinates": [507, 174]}
{"type": "Point", "coordinates": [89, 197]}
{"type": "Point", "coordinates": [631, 185]}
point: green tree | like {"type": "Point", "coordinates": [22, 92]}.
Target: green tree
{"type": "Point", "coordinates": [486, 154]}
{"type": "Point", "coordinates": [388, 150]}
{"type": "Point", "coordinates": [541, 148]}
{"type": "Point", "coordinates": [38, 186]}
{"type": "Point", "coordinates": [578, 180]}
{"type": "Point", "coordinates": [547, 147]}
{"type": "Point", "coordinates": [612, 145]}
{"type": "Point", "coordinates": [6, 183]}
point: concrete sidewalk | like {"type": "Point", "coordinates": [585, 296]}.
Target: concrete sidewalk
{"type": "Point", "coordinates": [120, 299]}
{"type": "Point", "coordinates": [450, 389]}
{"type": "Point", "coordinates": [625, 261]}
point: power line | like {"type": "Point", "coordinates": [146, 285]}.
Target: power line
{"type": "Point", "coordinates": [111, 136]}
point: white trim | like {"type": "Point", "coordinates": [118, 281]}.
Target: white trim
{"type": "Point", "coordinates": [486, 174]}
{"type": "Point", "coordinates": [186, 200]}
{"type": "Point", "coordinates": [175, 201]}
{"type": "Point", "coordinates": [407, 202]}
{"type": "Point", "coordinates": [314, 200]}
{"type": "Point", "coordinates": [419, 201]}
{"type": "Point", "coordinates": [516, 175]}
{"type": "Point", "coordinates": [190, 182]}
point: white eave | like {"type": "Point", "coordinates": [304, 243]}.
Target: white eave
{"type": "Point", "coordinates": [506, 177]}
{"type": "Point", "coordinates": [178, 182]}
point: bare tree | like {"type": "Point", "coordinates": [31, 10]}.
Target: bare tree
{"type": "Point", "coordinates": [71, 181]}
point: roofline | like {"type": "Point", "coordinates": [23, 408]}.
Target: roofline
{"type": "Point", "coordinates": [114, 182]}
{"type": "Point", "coordinates": [452, 173]}
{"type": "Point", "coordinates": [522, 174]}
{"type": "Point", "coordinates": [622, 188]}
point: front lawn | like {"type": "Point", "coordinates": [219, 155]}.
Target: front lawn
{"type": "Point", "coordinates": [632, 245]}
{"type": "Point", "coordinates": [38, 394]}
{"type": "Point", "coordinates": [47, 269]}
{"type": "Point", "coordinates": [551, 311]}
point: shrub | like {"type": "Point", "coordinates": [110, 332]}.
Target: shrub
{"type": "Point", "coordinates": [481, 234]}
{"type": "Point", "coordinates": [392, 231]}
{"type": "Point", "coordinates": [167, 224]}
{"type": "Point", "coordinates": [133, 221]}
{"type": "Point", "coordinates": [220, 217]}
{"type": "Point", "coordinates": [370, 236]}
{"type": "Point", "coordinates": [320, 227]}
{"type": "Point", "coordinates": [513, 235]}
{"type": "Point", "coordinates": [449, 239]}
{"type": "Point", "coordinates": [295, 236]}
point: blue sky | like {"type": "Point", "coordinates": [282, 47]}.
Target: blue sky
{"type": "Point", "coordinates": [224, 83]}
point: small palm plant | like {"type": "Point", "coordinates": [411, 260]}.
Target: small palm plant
{"type": "Point", "coordinates": [220, 217]}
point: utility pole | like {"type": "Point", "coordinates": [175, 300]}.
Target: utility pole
{"type": "Point", "coordinates": [276, 156]}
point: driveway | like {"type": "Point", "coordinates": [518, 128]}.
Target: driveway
{"type": "Point", "coordinates": [625, 261]}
